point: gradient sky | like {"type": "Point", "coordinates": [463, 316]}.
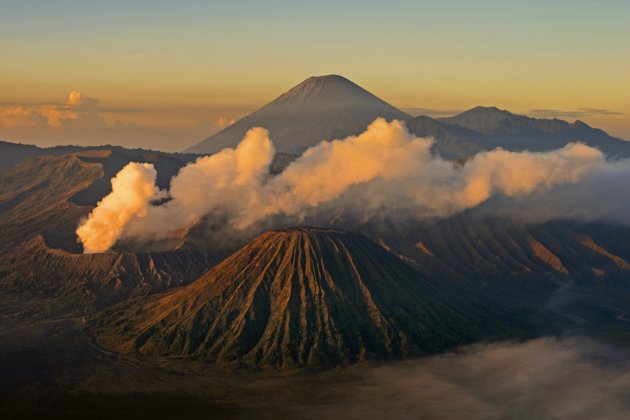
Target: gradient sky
{"type": "Point", "coordinates": [164, 73]}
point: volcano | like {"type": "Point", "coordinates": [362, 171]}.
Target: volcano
{"type": "Point", "coordinates": [302, 297]}
{"type": "Point", "coordinates": [319, 108]}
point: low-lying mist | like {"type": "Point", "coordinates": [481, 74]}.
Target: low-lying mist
{"type": "Point", "coordinates": [384, 172]}
{"type": "Point", "coordinates": [543, 378]}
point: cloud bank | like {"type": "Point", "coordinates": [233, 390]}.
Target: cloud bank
{"type": "Point", "coordinates": [225, 120]}
{"type": "Point", "coordinates": [81, 119]}
{"type": "Point", "coordinates": [601, 195]}
{"type": "Point", "coordinates": [546, 378]}
{"type": "Point", "coordinates": [579, 113]}
{"type": "Point", "coordinates": [383, 169]}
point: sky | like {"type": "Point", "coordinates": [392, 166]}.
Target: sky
{"type": "Point", "coordinates": [165, 74]}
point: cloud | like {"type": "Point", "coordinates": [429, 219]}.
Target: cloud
{"type": "Point", "coordinates": [385, 169]}
{"type": "Point", "coordinates": [224, 121]}
{"type": "Point", "coordinates": [80, 120]}
{"type": "Point", "coordinates": [599, 196]}
{"type": "Point", "coordinates": [78, 100]}
{"type": "Point", "coordinates": [132, 190]}
{"type": "Point", "coordinates": [33, 106]}
{"type": "Point", "coordinates": [54, 114]}
{"type": "Point", "coordinates": [573, 378]}
{"type": "Point", "coordinates": [49, 115]}
{"type": "Point", "coordinates": [581, 112]}
{"type": "Point", "coordinates": [436, 113]}
{"type": "Point", "coordinates": [19, 117]}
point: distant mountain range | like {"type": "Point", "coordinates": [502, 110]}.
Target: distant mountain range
{"type": "Point", "coordinates": [332, 107]}
{"type": "Point", "coordinates": [13, 153]}
{"type": "Point", "coordinates": [494, 127]}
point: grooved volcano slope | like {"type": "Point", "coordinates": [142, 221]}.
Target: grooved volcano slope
{"type": "Point", "coordinates": [301, 297]}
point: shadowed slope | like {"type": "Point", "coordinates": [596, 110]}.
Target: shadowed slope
{"type": "Point", "coordinates": [13, 153]}
{"type": "Point", "coordinates": [499, 128]}
{"type": "Point", "coordinates": [451, 141]}
{"type": "Point", "coordinates": [38, 282]}
{"type": "Point", "coordinates": [302, 297]}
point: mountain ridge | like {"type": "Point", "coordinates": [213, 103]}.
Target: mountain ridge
{"type": "Point", "coordinates": [501, 128]}
{"type": "Point", "coordinates": [331, 107]}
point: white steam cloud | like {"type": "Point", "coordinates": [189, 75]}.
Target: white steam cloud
{"type": "Point", "coordinates": [132, 190]}
{"type": "Point", "coordinates": [383, 168]}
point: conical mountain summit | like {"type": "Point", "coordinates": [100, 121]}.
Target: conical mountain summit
{"type": "Point", "coordinates": [319, 108]}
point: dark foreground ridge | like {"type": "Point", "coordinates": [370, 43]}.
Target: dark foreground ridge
{"type": "Point", "coordinates": [302, 297]}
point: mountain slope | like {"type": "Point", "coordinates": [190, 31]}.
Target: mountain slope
{"type": "Point", "coordinates": [319, 108]}
{"type": "Point", "coordinates": [39, 282]}
{"type": "Point", "coordinates": [302, 297]}
{"type": "Point", "coordinates": [42, 272]}
{"type": "Point", "coordinates": [500, 128]}
{"type": "Point", "coordinates": [13, 153]}
{"type": "Point", "coordinates": [493, 250]}
{"type": "Point", "coordinates": [451, 141]}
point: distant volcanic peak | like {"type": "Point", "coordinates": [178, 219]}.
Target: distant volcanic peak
{"type": "Point", "coordinates": [486, 113]}
{"type": "Point", "coordinates": [319, 108]}
{"type": "Point", "coordinates": [331, 89]}
{"type": "Point", "coordinates": [330, 77]}
{"type": "Point", "coordinates": [316, 83]}
{"type": "Point", "coordinates": [325, 80]}
{"type": "Point", "coordinates": [492, 121]}
{"type": "Point", "coordinates": [490, 110]}
{"type": "Point", "coordinates": [305, 297]}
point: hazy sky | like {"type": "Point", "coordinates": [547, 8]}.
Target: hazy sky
{"type": "Point", "coordinates": [162, 74]}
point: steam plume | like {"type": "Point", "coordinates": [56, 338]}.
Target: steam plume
{"type": "Point", "coordinates": [383, 168]}
{"type": "Point", "coordinates": [132, 189]}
